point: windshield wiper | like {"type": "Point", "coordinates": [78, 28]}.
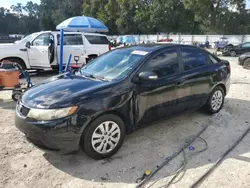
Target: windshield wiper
{"type": "Point", "coordinates": [95, 77]}
{"type": "Point", "coordinates": [102, 78]}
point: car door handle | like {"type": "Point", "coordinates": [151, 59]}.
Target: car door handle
{"type": "Point", "coordinates": [23, 50]}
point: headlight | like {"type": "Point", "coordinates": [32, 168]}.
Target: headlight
{"type": "Point", "coordinates": [51, 114]}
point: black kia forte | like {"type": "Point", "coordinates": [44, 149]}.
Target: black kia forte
{"type": "Point", "coordinates": [117, 93]}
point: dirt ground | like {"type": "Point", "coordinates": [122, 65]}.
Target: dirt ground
{"type": "Point", "coordinates": [24, 166]}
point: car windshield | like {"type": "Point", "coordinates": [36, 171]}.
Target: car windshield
{"type": "Point", "coordinates": [113, 65]}
{"type": "Point", "coordinates": [27, 39]}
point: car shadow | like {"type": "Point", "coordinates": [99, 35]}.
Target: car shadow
{"type": "Point", "coordinates": [148, 147]}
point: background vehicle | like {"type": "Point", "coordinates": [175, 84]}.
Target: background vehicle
{"type": "Point", "coordinates": [203, 45]}
{"type": "Point", "coordinates": [126, 40]}
{"type": "Point", "coordinates": [222, 43]}
{"type": "Point", "coordinates": [165, 40]}
{"type": "Point", "coordinates": [119, 92]}
{"type": "Point", "coordinates": [237, 50]}
{"type": "Point", "coordinates": [41, 50]}
{"type": "Point", "coordinates": [244, 60]}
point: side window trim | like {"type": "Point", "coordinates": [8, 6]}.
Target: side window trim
{"type": "Point", "coordinates": [183, 62]}
{"type": "Point", "coordinates": [158, 53]}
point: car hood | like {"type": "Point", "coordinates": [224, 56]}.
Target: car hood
{"type": "Point", "coordinates": [10, 45]}
{"type": "Point", "coordinates": [64, 91]}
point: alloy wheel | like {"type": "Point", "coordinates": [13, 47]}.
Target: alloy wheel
{"type": "Point", "coordinates": [217, 100]}
{"type": "Point", "coordinates": [106, 137]}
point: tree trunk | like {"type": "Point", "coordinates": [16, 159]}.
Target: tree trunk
{"type": "Point", "coordinates": [212, 29]}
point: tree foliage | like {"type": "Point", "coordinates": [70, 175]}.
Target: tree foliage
{"type": "Point", "coordinates": [133, 16]}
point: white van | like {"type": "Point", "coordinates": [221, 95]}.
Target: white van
{"type": "Point", "coordinates": [41, 50]}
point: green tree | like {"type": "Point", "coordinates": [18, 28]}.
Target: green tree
{"type": "Point", "coordinates": [125, 22]}
{"type": "Point", "coordinates": [208, 11]}
{"type": "Point", "coordinates": [109, 15]}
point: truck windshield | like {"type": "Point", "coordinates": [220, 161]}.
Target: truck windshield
{"type": "Point", "coordinates": [27, 39]}
{"type": "Point", "coordinates": [114, 65]}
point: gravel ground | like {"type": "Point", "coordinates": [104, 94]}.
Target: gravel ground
{"type": "Point", "coordinates": [23, 165]}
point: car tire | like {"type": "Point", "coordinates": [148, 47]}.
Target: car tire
{"type": "Point", "coordinates": [216, 100]}
{"type": "Point", "coordinates": [16, 95]}
{"type": "Point", "coordinates": [103, 137]}
{"type": "Point", "coordinates": [233, 53]}
{"type": "Point", "coordinates": [246, 64]}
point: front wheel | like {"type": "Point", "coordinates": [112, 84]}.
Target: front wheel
{"type": "Point", "coordinates": [233, 53]}
{"type": "Point", "coordinates": [216, 100]}
{"type": "Point", "coordinates": [16, 95]}
{"type": "Point", "coordinates": [103, 137]}
{"type": "Point", "coordinates": [246, 64]}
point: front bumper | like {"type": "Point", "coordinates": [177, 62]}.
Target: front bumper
{"type": "Point", "coordinates": [57, 135]}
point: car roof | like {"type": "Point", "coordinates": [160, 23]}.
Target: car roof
{"type": "Point", "coordinates": [155, 47]}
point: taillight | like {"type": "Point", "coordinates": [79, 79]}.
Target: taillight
{"type": "Point", "coordinates": [110, 48]}
{"type": "Point", "coordinates": [229, 68]}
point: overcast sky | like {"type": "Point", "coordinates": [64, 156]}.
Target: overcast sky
{"type": "Point", "coordinates": [8, 3]}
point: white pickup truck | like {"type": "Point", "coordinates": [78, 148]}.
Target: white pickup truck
{"type": "Point", "coordinates": [41, 50]}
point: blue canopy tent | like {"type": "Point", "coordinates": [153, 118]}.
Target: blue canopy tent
{"type": "Point", "coordinates": [127, 39]}
{"type": "Point", "coordinates": [78, 24]}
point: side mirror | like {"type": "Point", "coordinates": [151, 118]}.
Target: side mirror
{"type": "Point", "coordinates": [27, 45]}
{"type": "Point", "coordinates": [148, 76]}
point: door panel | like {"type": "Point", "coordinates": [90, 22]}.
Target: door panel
{"type": "Point", "coordinates": [38, 51]}
{"type": "Point", "coordinates": [157, 99]}
{"type": "Point", "coordinates": [73, 44]}
{"type": "Point", "coordinates": [197, 75]}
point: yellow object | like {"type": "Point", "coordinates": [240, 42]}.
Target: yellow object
{"type": "Point", "coordinates": [147, 172]}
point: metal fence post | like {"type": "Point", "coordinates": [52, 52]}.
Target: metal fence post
{"type": "Point", "coordinates": [61, 51]}
{"type": "Point", "coordinates": [243, 39]}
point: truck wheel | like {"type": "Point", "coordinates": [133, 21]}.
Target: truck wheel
{"type": "Point", "coordinates": [246, 64]}
{"type": "Point", "coordinates": [18, 61]}
{"type": "Point", "coordinates": [90, 58]}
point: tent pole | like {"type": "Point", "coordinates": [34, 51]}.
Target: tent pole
{"type": "Point", "coordinates": [61, 51]}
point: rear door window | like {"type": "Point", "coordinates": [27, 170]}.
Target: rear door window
{"type": "Point", "coordinates": [193, 58]}
{"type": "Point", "coordinates": [95, 39]}
{"type": "Point", "coordinates": [71, 39]}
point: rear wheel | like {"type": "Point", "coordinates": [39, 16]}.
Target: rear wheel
{"type": "Point", "coordinates": [103, 137]}
{"type": "Point", "coordinates": [90, 58]}
{"type": "Point", "coordinates": [216, 100]}
{"type": "Point", "coordinates": [233, 53]}
{"type": "Point", "coordinates": [246, 64]}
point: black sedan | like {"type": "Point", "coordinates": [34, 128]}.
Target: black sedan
{"type": "Point", "coordinates": [237, 50]}
{"type": "Point", "coordinates": [119, 92]}
{"type": "Point", "coordinates": [244, 60]}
